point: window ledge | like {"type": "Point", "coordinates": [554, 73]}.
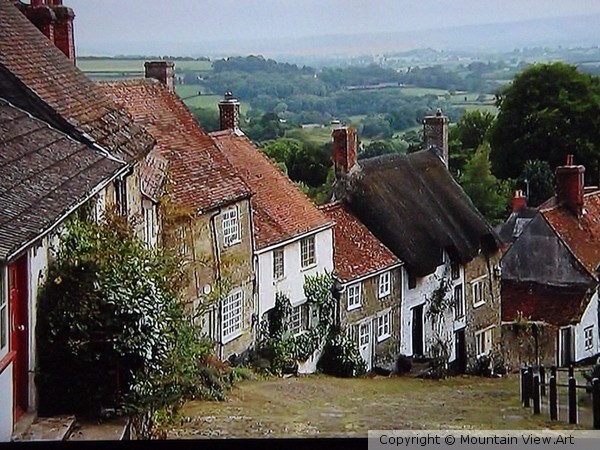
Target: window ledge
{"type": "Point", "coordinates": [384, 337]}
{"type": "Point", "coordinates": [231, 243]}
{"type": "Point", "coordinates": [232, 336]}
{"type": "Point", "coordinates": [312, 266]}
{"type": "Point", "coordinates": [478, 304]}
{"type": "Point", "coordinates": [353, 307]}
{"type": "Point", "coordinates": [384, 296]}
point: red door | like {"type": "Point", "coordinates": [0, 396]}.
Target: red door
{"type": "Point", "coordinates": [17, 286]}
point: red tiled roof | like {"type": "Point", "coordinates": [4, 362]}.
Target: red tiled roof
{"type": "Point", "coordinates": [581, 235]}
{"type": "Point", "coordinates": [39, 78]}
{"type": "Point", "coordinates": [558, 306]}
{"type": "Point", "coordinates": [357, 252]}
{"type": "Point", "coordinates": [281, 210]}
{"type": "Point", "coordinates": [201, 177]}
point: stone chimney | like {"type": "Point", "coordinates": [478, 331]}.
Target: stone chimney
{"type": "Point", "coordinates": [345, 146]}
{"type": "Point", "coordinates": [229, 112]}
{"type": "Point", "coordinates": [163, 71]}
{"type": "Point", "coordinates": [55, 21]}
{"type": "Point", "coordinates": [570, 186]}
{"type": "Point", "coordinates": [435, 133]}
{"type": "Point", "coordinates": [519, 201]}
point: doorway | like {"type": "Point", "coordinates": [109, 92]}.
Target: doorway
{"type": "Point", "coordinates": [417, 331]}
{"type": "Point", "coordinates": [364, 343]}
{"type": "Point", "coordinates": [19, 342]}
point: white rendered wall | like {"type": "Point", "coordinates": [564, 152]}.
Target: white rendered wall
{"type": "Point", "coordinates": [292, 284]}
{"type": "Point", "coordinates": [590, 317]}
{"type": "Point", "coordinates": [6, 403]}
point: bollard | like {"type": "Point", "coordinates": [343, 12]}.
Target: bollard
{"type": "Point", "coordinates": [596, 402]}
{"type": "Point", "coordinates": [572, 401]}
{"type": "Point", "coordinates": [523, 389]}
{"type": "Point", "coordinates": [536, 394]}
{"type": "Point", "coordinates": [542, 381]}
{"type": "Point", "coordinates": [527, 386]}
{"type": "Point", "coordinates": [571, 371]}
{"type": "Point", "coordinates": [553, 405]}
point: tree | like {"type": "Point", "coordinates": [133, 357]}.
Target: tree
{"type": "Point", "coordinates": [549, 111]}
{"type": "Point", "coordinates": [470, 132]}
{"type": "Point", "coordinates": [537, 180]}
{"type": "Point", "coordinates": [487, 193]}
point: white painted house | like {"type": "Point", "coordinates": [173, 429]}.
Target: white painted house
{"type": "Point", "coordinates": [292, 237]}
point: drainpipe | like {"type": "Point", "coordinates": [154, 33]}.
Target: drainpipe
{"type": "Point", "coordinates": [217, 270]}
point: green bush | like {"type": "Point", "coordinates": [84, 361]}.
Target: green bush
{"type": "Point", "coordinates": [111, 329]}
{"type": "Point", "coordinates": [341, 357]}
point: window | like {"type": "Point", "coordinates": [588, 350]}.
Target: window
{"type": "Point", "coordinates": [455, 270]}
{"type": "Point", "coordinates": [121, 195]}
{"type": "Point", "coordinates": [299, 318]}
{"type": "Point", "coordinates": [231, 314]}
{"type": "Point", "coordinates": [3, 319]}
{"type": "Point", "coordinates": [384, 326]}
{"type": "Point", "coordinates": [588, 337]}
{"type": "Point", "coordinates": [307, 252]}
{"type": "Point", "coordinates": [149, 226]}
{"type": "Point", "coordinates": [354, 296]}
{"type": "Point", "coordinates": [364, 334]}
{"type": "Point", "coordinates": [478, 298]}
{"type": "Point", "coordinates": [185, 250]}
{"type": "Point", "coordinates": [412, 281]}
{"type": "Point", "coordinates": [459, 306]}
{"type": "Point", "coordinates": [278, 268]}
{"type": "Point", "coordinates": [385, 284]}
{"type": "Point", "coordinates": [483, 341]}
{"type": "Point", "coordinates": [231, 226]}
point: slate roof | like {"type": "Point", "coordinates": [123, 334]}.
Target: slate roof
{"type": "Point", "coordinates": [200, 175]}
{"type": "Point", "coordinates": [356, 251]}
{"type": "Point", "coordinates": [280, 210]}
{"type": "Point", "coordinates": [37, 77]}
{"type": "Point", "coordinates": [43, 174]}
{"type": "Point", "coordinates": [514, 225]}
{"type": "Point", "coordinates": [414, 206]}
{"type": "Point", "coordinates": [558, 306]}
{"type": "Point", "coordinates": [580, 234]}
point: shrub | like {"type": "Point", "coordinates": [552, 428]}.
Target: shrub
{"type": "Point", "coordinates": [403, 364]}
{"type": "Point", "coordinates": [341, 357]}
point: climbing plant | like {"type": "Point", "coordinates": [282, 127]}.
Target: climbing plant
{"type": "Point", "coordinates": [285, 349]}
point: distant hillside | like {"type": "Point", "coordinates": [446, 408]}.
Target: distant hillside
{"type": "Point", "coordinates": [567, 31]}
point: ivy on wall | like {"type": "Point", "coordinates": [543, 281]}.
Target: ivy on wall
{"type": "Point", "coordinates": [340, 355]}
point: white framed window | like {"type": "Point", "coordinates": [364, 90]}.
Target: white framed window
{"type": "Point", "coordinates": [477, 289]}
{"type": "Point", "coordinates": [354, 295]}
{"type": "Point", "coordinates": [149, 237]}
{"type": "Point", "coordinates": [183, 245]}
{"type": "Point", "coordinates": [278, 264]}
{"type": "Point", "coordinates": [459, 304]}
{"type": "Point", "coordinates": [231, 226]}
{"type": "Point", "coordinates": [120, 185]}
{"type": "Point", "coordinates": [231, 315]}
{"type": "Point", "coordinates": [364, 334]}
{"type": "Point", "coordinates": [299, 318]}
{"type": "Point", "coordinates": [454, 270]}
{"type": "Point", "coordinates": [3, 319]}
{"type": "Point", "coordinates": [483, 341]}
{"type": "Point", "coordinates": [384, 325]}
{"type": "Point", "coordinates": [307, 252]}
{"type": "Point", "coordinates": [588, 337]}
{"type": "Point", "coordinates": [385, 284]}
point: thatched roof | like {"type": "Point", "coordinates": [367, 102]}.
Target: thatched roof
{"type": "Point", "coordinates": [414, 206]}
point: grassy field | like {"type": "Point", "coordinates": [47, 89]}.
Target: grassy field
{"type": "Point", "coordinates": [189, 94]}
{"type": "Point", "coordinates": [419, 92]}
{"type": "Point", "coordinates": [324, 406]}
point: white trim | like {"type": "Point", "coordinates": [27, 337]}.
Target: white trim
{"type": "Point", "coordinates": [369, 275]}
{"type": "Point", "coordinates": [388, 291]}
{"type": "Point", "coordinates": [354, 306]}
{"type": "Point", "coordinates": [385, 312]}
{"type": "Point", "coordinates": [70, 211]}
{"type": "Point", "coordinates": [479, 278]}
{"type": "Point", "coordinates": [292, 239]}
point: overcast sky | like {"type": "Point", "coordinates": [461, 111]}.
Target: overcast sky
{"type": "Point", "coordinates": [185, 21]}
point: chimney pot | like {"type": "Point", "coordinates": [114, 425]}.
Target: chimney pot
{"type": "Point", "coordinates": [519, 201]}
{"type": "Point", "coordinates": [163, 71]}
{"type": "Point", "coordinates": [229, 112]}
{"type": "Point", "coordinates": [435, 133]}
{"type": "Point", "coordinates": [570, 186]}
{"type": "Point", "coordinates": [345, 144]}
